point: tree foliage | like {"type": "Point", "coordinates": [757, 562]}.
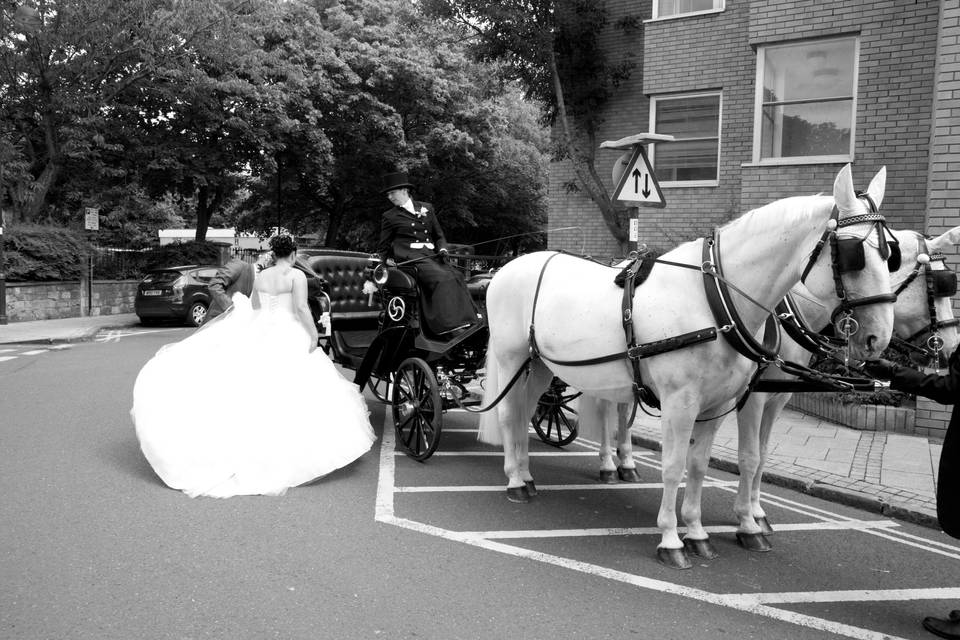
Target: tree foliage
{"type": "Point", "coordinates": [553, 47]}
{"type": "Point", "coordinates": [260, 114]}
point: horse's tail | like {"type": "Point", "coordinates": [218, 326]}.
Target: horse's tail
{"type": "Point", "coordinates": [490, 419]}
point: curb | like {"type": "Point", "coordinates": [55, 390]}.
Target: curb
{"type": "Point", "coordinates": [817, 489]}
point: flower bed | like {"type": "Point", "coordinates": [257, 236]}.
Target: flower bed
{"type": "Point", "coordinates": [866, 417]}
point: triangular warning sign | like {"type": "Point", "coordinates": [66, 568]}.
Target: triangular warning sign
{"type": "Point", "coordinates": [638, 185]}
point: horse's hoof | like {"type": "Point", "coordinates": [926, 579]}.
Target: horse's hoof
{"type": "Point", "coordinates": [754, 542]}
{"type": "Point", "coordinates": [531, 488]}
{"type": "Point", "coordinates": [608, 477]}
{"type": "Point", "coordinates": [628, 475]}
{"type": "Point", "coordinates": [700, 548]}
{"type": "Point", "coordinates": [518, 494]}
{"type": "Point", "coordinates": [765, 527]}
{"type": "Point", "coordinates": [673, 558]}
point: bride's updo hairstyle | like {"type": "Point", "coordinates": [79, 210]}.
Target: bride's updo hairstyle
{"type": "Point", "coordinates": [282, 246]}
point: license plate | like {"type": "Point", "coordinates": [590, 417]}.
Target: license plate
{"type": "Point", "coordinates": [153, 292]}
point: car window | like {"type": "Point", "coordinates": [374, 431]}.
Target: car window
{"type": "Point", "coordinates": [204, 275]}
{"type": "Point", "coordinates": [161, 277]}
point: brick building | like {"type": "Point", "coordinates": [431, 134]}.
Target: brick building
{"type": "Point", "coordinates": [769, 99]}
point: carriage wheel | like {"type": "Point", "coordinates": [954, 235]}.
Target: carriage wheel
{"type": "Point", "coordinates": [380, 387]}
{"type": "Point", "coordinates": [417, 408]}
{"type": "Point", "coordinates": [555, 421]}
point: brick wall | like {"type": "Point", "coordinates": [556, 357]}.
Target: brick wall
{"type": "Point", "coordinates": [52, 300]}
{"type": "Point", "coordinates": [717, 51]}
{"type": "Point", "coordinates": [943, 185]}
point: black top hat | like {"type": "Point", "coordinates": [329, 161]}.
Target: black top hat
{"type": "Point", "coordinates": [393, 181]}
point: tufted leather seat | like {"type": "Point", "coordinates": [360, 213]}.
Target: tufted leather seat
{"type": "Point", "coordinates": [344, 272]}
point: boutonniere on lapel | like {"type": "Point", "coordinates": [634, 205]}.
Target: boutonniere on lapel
{"type": "Point", "coordinates": [422, 211]}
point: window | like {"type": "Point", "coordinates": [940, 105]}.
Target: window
{"type": "Point", "coordinates": [674, 8]}
{"type": "Point", "coordinates": [694, 120]}
{"type": "Point", "coordinates": [806, 102]}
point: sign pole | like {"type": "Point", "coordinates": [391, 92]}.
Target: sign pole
{"type": "Point", "coordinates": [3, 279]}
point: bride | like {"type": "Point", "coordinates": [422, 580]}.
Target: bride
{"type": "Point", "coordinates": [247, 404]}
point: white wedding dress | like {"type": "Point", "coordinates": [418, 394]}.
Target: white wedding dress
{"type": "Point", "coordinates": [241, 407]}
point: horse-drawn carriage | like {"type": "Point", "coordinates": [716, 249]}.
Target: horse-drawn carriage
{"type": "Point", "coordinates": [372, 325]}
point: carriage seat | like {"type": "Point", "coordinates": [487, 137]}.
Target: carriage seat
{"type": "Point", "coordinates": [345, 274]}
{"type": "Point", "coordinates": [400, 282]}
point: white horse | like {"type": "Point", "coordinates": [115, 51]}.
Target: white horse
{"type": "Point", "coordinates": [572, 308]}
{"type": "Point", "coordinates": [911, 318]}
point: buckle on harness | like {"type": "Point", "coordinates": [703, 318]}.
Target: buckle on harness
{"type": "Point", "coordinates": [627, 314]}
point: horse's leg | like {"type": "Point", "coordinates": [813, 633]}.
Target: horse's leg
{"type": "Point", "coordinates": [696, 539]}
{"type": "Point", "coordinates": [749, 533]}
{"type": "Point", "coordinates": [677, 425]}
{"type": "Point", "coordinates": [627, 469]}
{"type": "Point", "coordinates": [520, 485]}
{"type": "Point", "coordinates": [771, 413]}
{"type": "Point", "coordinates": [595, 419]}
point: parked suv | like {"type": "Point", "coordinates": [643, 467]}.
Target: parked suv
{"type": "Point", "coordinates": [176, 293]}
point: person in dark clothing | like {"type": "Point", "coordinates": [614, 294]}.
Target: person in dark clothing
{"type": "Point", "coordinates": [411, 235]}
{"type": "Point", "coordinates": [236, 276]}
{"type": "Point", "coordinates": [944, 389]}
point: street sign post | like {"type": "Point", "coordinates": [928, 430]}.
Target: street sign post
{"type": "Point", "coordinates": [635, 183]}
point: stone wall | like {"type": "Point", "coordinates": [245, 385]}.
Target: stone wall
{"type": "Point", "coordinates": [51, 300]}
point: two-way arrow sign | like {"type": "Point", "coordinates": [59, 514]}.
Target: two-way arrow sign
{"type": "Point", "coordinates": [638, 184]}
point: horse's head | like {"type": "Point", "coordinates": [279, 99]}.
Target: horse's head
{"type": "Point", "coordinates": [924, 286]}
{"type": "Point", "coordinates": [849, 270]}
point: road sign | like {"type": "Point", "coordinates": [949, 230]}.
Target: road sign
{"type": "Point", "coordinates": [638, 185]}
{"type": "Point", "coordinates": [92, 219]}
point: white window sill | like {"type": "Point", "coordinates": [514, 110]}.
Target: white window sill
{"type": "Point", "coordinates": [689, 183]}
{"type": "Point", "coordinates": [678, 16]}
{"type": "Point", "coordinates": [785, 162]}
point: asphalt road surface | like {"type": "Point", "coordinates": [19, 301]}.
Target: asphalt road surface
{"type": "Point", "coordinates": [93, 545]}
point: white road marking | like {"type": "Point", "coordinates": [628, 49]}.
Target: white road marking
{"type": "Point", "coordinates": [114, 335]}
{"type": "Point", "coordinates": [34, 352]}
{"type": "Point", "coordinates": [650, 531]}
{"type": "Point", "coordinates": [5, 358]}
{"type": "Point", "coordinates": [865, 595]}
{"type": "Point", "coordinates": [488, 454]}
{"type": "Point", "coordinates": [755, 603]}
{"type": "Point", "coordinates": [7, 350]}
{"type": "Point", "coordinates": [593, 486]}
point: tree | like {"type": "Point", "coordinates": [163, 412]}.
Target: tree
{"type": "Point", "coordinates": [553, 47]}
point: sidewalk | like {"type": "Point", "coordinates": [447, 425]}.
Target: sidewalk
{"type": "Point", "coordinates": [64, 330]}
{"type": "Point", "coordinates": [886, 473]}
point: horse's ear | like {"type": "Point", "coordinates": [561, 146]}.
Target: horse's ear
{"type": "Point", "coordinates": [945, 241]}
{"type": "Point", "coordinates": [878, 186]}
{"type": "Point", "coordinates": [843, 194]}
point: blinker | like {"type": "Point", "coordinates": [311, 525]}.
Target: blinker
{"type": "Point", "coordinates": [944, 283]}
{"type": "Point", "coordinates": [850, 256]}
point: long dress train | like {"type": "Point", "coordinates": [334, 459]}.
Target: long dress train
{"type": "Point", "coordinates": [241, 407]}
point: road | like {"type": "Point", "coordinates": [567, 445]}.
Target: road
{"type": "Point", "coordinates": [94, 546]}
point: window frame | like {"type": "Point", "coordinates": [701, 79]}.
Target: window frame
{"type": "Point", "coordinates": [654, 100]}
{"type": "Point", "coordinates": [657, 17]}
{"type": "Point", "coordinates": [759, 103]}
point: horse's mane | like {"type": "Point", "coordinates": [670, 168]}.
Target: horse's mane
{"type": "Point", "coordinates": [786, 212]}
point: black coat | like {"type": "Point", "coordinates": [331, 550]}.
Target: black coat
{"type": "Point", "coordinates": [944, 389]}
{"type": "Point", "coordinates": [399, 229]}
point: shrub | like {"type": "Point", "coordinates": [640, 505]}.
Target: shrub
{"type": "Point", "coordinates": [36, 253]}
{"type": "Point", "coordinates": [170, 255]}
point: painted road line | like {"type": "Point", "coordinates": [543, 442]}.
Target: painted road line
{"type": "Point", "coordinates": [34, 352]}
{"type": "Point", "coordinates": [594, 486]}
{"type": "Point", "coordinates": [385, 513]}
{"type": "Point", "coordinates": [654, 531]}
{"type": "Point", "coordinates": [7, 350]}
{"type": "Point", "coordinates": [866, 595]}
{"type": "Point", "coordinates": [490, 454]}
{"type": "Point", "coordinates": [5, 358]}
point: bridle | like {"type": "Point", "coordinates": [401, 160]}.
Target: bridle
{"type": "Point", "coordinates": [939, 284]}
{"type": "Point", "coordinates": [847, 255]}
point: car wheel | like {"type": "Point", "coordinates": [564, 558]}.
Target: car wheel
{"type": "Point", "coordinates": [198, 311]}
